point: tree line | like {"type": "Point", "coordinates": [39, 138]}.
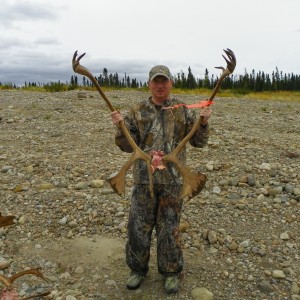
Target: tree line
{"type": "Point", "coordinates": [109, 80]}
{"type": "Point", "coordinates": [253, 82]}
{"type": "Point", "coordinates": [248, 82]}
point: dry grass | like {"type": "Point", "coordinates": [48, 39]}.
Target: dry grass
{"type": "Point", "coordinates": [275, 96]}
{"type": "Point", "coordinates": [283, 96]}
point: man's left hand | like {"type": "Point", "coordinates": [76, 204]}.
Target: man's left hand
{"type": "Point", "coordinates": [205, 113]}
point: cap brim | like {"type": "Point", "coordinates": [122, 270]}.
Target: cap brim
{"type": "Point", "coordinates": [159, 74]}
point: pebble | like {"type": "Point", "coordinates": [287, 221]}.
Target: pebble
{"type": "Point", "coordinates": [278, 274]}
{"type": "Point", "coordinates": [97, 183]}
{"type": "Point", "coordinates": [110, 282]}
{"type": "Point", "coordinates": [79, 270]}
{"type": "Point", "coordinates": [265, 287]}
{"type": "Point", "coordinates": [70, 297]}
{"type": "Point", "coordinates": [285, 236]}
{"type": "Point", "coordinates": [4, 263]}
{"type": "Point", "coordinates": [295, 288]}
{"type": "Point", "coordinates": [63, 221]}
{"type": "Point", "coordinates": [201, 293]}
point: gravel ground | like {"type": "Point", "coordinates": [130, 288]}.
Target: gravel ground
{"type": "Point", "coordinates": [240, 235]}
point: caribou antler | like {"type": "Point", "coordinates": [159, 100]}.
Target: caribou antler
{"type": "Point", "coordinates": [117, 182]}
{"type": "Point", "coordinates": [6, 220]}
{"type": "Point", "coordinates": [10, 293]}
{"type": "Point", "coordinates": [193, 183]}
{"type": "Point", "coordinates": [9, 281]}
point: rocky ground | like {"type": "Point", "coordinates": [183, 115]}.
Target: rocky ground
{"type": "Point", "coordinates": [241, 235]}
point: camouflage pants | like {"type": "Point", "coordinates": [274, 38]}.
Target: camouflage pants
{"type": "Point", "coordinates": [163, 213]}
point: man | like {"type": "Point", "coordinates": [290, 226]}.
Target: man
{"type": "Point", "coordinates": [157, 130]}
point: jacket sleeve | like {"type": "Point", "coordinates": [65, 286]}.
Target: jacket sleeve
{"type": "Point", "coordinates": [201, 135]}
{"type": "Point", "coordinates": [121, 140]}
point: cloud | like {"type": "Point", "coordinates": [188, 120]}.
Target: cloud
{"type": "Point", "coordinates": [20, 11]}
{"type": "Point", "coordinates": [45, 67]}
{"type": "Point", "coordinates": [33, 66]}
{"type": "Point", "coordinates": [47, 41]}
{"type": "Point", "coordinates": [7, 43]}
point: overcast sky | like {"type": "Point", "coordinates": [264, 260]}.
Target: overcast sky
{"type": "Point", "coordinates": [38, 37]}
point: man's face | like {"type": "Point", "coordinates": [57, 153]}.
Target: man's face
{"type": "Point", "coordinates": [160, 88]}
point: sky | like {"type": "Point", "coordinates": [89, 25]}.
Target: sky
{"type": "Point", "coordinates": [38, 37]}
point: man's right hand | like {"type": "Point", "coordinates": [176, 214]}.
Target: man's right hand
{"type": "Point", "coordinates": [116, 117]}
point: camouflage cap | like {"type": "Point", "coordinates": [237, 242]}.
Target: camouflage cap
{"type": "Point", "coordinates": [160, 70]}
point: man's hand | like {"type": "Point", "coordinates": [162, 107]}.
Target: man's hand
{"type": "Point", "coordinates": [116, 117]}
{"type": "Point", "coordinates": [205, 113]}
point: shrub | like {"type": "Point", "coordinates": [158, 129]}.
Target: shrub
{"type": "Point", "coordinates": [55, 87]}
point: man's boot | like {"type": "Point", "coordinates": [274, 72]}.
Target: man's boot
{"type": "Point", "coordinates": [134, 281]}
{"type": "Point", "coordinates": [172, 284]}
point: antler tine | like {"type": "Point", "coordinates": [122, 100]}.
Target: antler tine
{"type": "Point", "coordinates": [117, 182]}
{"type": "Point", "coordinates": [80, 56]}
{"type": "Point", "coordinates": [231, 61]}
{"type": "Point", "coordinates": [36, 272]}
{"type": "Point", "coordinates": [76, 64]}
{"type": "Point", "coordinates": [5, 281]}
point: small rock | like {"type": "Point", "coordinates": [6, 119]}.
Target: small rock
{"type": "Point", "coordinates": [265, 166]}
{"type": "Point", "coordinates": [81, 186]}
{"type": "Point", "coordinates": [5, 169]}
{"type": "Point", "coordinates": [265, 286]}
{"type": "Point", "coordinates": [297, 191]}
{"type": "Point", "coordinates": [65, 276]}
{"type": "Point", "coordinates": [22, 220]}
{"type": "Point", "coordinates": [45, 186]}
{"type": "Point", "coordinates": [245, 244]}
{"type": "Point", "coordinates": [216, 190]}
{"type": "Point", "coordinates": [278, 274]}
{"type": "Point", "coordinates": [29, 169]}
{"type": "Point", "coordinates": [110, 282]}
{"type": "Point", "coordinates": [82, 95]}
{"type": "Point", "coordinates": [260, 197]}
{"type": "Point", "coordinates": [97, 183]}
{"type": "Point", "coordinates": [70, 297]}
{"type": "Point", "coordinates": [4, 263]}
{"type": "Point", "coordinates": [63, 221]}
{"type": "Point", "coordinates": [285, 236]}
{"type": "Point", "coordinates": [209, 166]}
{"type": "Point", "coordinates": [79, 270]}
{"type": "Point", "coordinates": [295, 288]}
{"type": "Point", "coordinates": [184, 225]}
{"type": "Point", "coordinates": [233, 246]}
{"type": "Point", "coordinates": [212, 237]}
{"type": "Point", "coordinates": [202, 294]}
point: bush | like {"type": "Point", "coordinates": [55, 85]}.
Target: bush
{"type": "Point", "coordinates": [55, 87]}
{"type": "Point", "coordinates": [7, 86]}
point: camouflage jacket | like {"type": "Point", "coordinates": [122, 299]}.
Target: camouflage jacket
{"type": "Point", "coordinates": [154, 128]}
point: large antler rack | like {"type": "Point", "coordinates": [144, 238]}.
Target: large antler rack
{"type": "Point", "coordinates": [192, 182]}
